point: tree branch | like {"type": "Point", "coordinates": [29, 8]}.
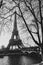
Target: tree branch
{"type": "Point", "coordinates": [32, 11]}
{"type": "Point", "coordinates": [27, 26]}
{"type": "Point", "coordinates": [40, 10]}
{"type": "Point", "coordinates": [37, 21]}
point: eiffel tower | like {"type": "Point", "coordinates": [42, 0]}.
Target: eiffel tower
{"type": "Point", "coordinates": [15, 38]}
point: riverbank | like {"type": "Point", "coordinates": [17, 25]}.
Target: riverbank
{"type": "Point", "coordinates": [39, 63]}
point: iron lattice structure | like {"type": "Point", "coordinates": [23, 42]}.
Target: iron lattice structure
{"type": "Point", "coordinates": [15, 38]}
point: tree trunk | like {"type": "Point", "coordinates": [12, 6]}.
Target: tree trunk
{"type": "Point", "coordinates": [42, 48]}
{"type": "Point", "coordinates": [42, 39]}
{"type": "Point", "coordinates": [42, 45]}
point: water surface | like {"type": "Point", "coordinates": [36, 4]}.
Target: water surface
{"type": "Point", "coordinates": [18, 60]}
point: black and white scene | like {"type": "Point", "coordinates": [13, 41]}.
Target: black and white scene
{"type": "Point", "coordinates": [21, 32]}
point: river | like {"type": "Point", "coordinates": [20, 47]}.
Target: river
{"type": "Point", "coordinates": [18, 60]}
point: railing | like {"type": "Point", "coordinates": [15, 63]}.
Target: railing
{"type": "Point", "coordinates": [31, 49]}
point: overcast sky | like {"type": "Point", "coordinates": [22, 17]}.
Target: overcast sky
{"type": "Point", "coordinates": [5, 35]}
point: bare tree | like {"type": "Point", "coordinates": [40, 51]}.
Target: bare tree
{"type": "Point", "coordinates": [33, 8]}
{"type": "Point", "coordinates": [36, 9]}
